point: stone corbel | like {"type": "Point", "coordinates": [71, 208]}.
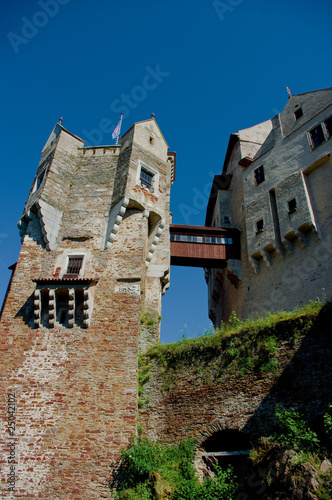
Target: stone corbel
{"type": "Point", "coordinates": [301, 237]}
{"type": "Point", "coordinates": [51, 308]}
{"type": "Point", "coordinates": [233, 272]}
{"type": "Point", "coordinates": [288, 245]}
{"type": "Point", "coordinates": [86, 309]}
{"type": "Point", "coordinates": [154, 243]}
{"type": "Point", "coordinates": [279, 251]}
{"type": "Point", "coordinates": [255, 264]}
{"type": "Point", "coordinates": [36, 308]}
{"type": "Point", "coordinates": [267, 258]}
{"type": "Point", "coordinates": [71, 308]}
{"type": "Point", "coordinates": [115, 218]}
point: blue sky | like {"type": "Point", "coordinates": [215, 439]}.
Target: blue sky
{"type": "Point", "coordinates": [221, 66]}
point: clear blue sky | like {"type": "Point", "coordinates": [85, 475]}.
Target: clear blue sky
{"type": "Point", "coordinates": [222, 66]}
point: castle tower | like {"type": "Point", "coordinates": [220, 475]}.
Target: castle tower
{"type": "Point", "coordinates": [95, 257]}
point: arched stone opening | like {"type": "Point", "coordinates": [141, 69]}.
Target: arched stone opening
{"type": "Point", "coordinates": [226, 447]}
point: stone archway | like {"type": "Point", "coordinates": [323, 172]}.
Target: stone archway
{"type": "Point", "coordinates": [223, 446]}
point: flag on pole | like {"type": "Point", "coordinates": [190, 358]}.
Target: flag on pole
{"type": "Point", "coordinates": [289, 92]}
{"type": "Point", "coordinates": [116, 131]}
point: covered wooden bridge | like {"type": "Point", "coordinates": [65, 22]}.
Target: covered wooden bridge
{"type": "Point", "coordinates": [201, 246]}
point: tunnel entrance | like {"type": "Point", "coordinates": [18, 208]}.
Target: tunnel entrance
{"type": "Point", "coordinates": [227, 447]}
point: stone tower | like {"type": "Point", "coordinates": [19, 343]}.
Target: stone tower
{"type": "Point", "coordinates": [95, 257]}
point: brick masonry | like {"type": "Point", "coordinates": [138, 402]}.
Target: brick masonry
{"type": "Point", "coordinates": [197, 395]}
{"type": "Point", "coordinates": [75, 383]}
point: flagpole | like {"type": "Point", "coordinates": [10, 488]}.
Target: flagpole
{"type": "Point", "coordinates": [120, 123]}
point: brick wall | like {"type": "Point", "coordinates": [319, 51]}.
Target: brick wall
{"type": "Point", "coordinates": [76, 388]}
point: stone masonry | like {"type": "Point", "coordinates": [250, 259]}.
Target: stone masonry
{"type": "Point", "coordinates": [279, 196]}
{"type": "Point", "coordinates": [95, 256]}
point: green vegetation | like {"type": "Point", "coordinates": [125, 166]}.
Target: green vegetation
{"type": "Point", "coordinates": [144, 376]}
{"type": "Point", "coordinates": [237, 348]}
{"type": "Point", "coordinates": [291, 463]}
{"type": "Point", "coordinates": [150, 471]}
{"type": "Point", "coordinates": [299, 455]}
{"type": "Point", "coordinates": [288, 464]}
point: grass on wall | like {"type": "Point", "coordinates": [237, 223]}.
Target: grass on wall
{"type": "Point", "coordinates": [237, 348]}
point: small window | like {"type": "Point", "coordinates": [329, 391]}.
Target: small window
{"type": "Point", "coordinates": [177, 237]}
{"type": "Point", "coordinates": [198, 239]}
{"type": "Point", "coordinates": [151, 139]}
{"type": "Point", "coordinates": [172, 237]}
{"type": "Point", "coordinates": [298, 113]}
{"type": "Point", "coordinates": [259, 175]}
{"type": "Point", "coordinates": [317, 136]}
{"type": "Point", "coordinates": [259, 226]}
{"type": "Point", "coordinates": [328, 126]}
{"type": "Point", "coordinates": [146, 178]}
{"type": "Point", "coordinates": [74, 265]}
{"type": "Point", "coordinates": [207, 239]}
{"type": "Point", "coordinates": [226, 219]}
{"type": "Point", "coordinates": [40, 179]}
{"type": "Point", "coordinates": [229, 241]}
{"type": "Point", "coordinates": [291, 205]}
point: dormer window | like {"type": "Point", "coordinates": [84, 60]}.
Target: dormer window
{"type": "Point", "coordinates": [298, 113]}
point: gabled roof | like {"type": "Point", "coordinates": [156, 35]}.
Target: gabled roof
{"type": "Point", "coordinates": [144, 121]}
{"type": "Point", "coordinates": [58, 128]}
{"type": "Point", "coordinates": [254, 135]}
{"type": "Point", "coordinates": [311, 103]}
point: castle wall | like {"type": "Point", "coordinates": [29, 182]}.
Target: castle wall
{"type": "Point", "coordinates": [285, 251]}
{"type": "Point", "coordinates": [70, 342]}
{"type": "Point", "coordinates": [201, 391]}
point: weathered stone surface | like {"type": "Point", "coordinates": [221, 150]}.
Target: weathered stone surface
{"type": "Point", "coordinates": [74, 377]}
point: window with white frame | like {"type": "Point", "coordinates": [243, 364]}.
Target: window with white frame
{"type": "Point", "coordinates": [148, 178]}
{"type": "Point", "coordinates": [74, 266]}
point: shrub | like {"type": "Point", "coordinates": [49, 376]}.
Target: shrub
{"type": "Point", "coordinates": [294, 431]}
{"type": "Point", "coordinates": [148, 471]}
